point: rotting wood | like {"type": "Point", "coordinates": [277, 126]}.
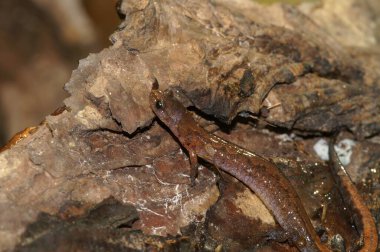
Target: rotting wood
{"type": "Point", "coordinates": [107, 143]}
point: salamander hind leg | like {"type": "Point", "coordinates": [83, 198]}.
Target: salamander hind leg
{"type": "Point", "coordinates": [194, 165]}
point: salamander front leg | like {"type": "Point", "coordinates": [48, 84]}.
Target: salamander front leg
{"type": "Point", "coordinates": [194, 165]}
{"type": "Point", "coordinates": [278, 235]}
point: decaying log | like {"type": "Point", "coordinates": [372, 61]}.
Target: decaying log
{"type": "Point", "coordinates": [269, 77]}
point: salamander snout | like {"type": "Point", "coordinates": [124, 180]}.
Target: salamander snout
{"type": "Point", "coordinates": [163, 105]}
{"type": "Point", "coordinates": [156, 100]}
{"type": "Point", "coordinates": [166, 107]}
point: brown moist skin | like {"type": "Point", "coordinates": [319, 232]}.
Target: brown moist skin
{"type": "Point", "coordinates": [360, 213]}
{"type": "Point", "coordinates": [18, 137]}
{"type": "Point", "coordinates": [256, 172]}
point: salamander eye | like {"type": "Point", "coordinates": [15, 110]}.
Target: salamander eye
{"type": "Point", "coordinates": [159, 104]}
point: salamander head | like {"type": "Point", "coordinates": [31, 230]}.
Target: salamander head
{"type": "Point", "coordinates": [167, 108]}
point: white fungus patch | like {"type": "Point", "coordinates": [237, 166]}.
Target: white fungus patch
{"type": "Point", "coordinates": [286, 137]}
{"type": "Point", "coordinates": [343, 149]}
{"type": "Point", "coordinates": [322, 149]}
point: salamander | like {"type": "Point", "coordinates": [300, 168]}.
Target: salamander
{"type": "Point", "coordinates": [361, 215]}
{"type": "Point", "coordinates": [18, 137]}
{"type": "Point", "coordinates": [256, 172]}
